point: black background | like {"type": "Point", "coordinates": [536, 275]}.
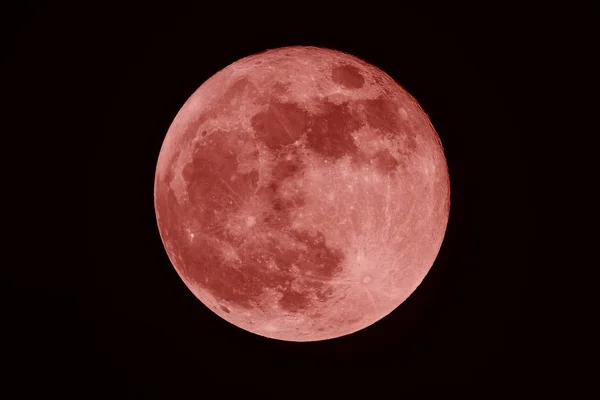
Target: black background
{"type": "Point", "coordinates": [470, 322]}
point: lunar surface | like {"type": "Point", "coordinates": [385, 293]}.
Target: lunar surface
{"type": "Point", "coordinates": [302, 194]}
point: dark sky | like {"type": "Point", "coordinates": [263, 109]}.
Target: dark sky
{"type": "Point", "coordinates": [470, 321]}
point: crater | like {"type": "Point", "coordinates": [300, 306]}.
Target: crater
{"type": "Point", "coordinates": [348, 76]}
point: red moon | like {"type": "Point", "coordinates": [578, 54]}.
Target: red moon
{"type": "Point", "coordinates": [302, 194]}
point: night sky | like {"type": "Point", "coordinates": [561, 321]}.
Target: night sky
{"type": "Point", "coordinates": [469, 322]}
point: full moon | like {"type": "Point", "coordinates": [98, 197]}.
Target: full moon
{"type": "Point", "coordinates": [302, 194]}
